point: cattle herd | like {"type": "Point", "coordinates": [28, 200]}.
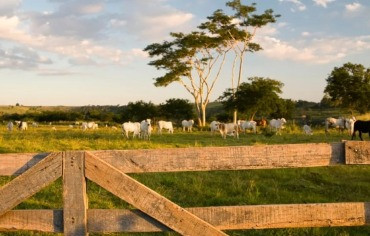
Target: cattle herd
{"type": "Point", "coordinates": [144, 128]}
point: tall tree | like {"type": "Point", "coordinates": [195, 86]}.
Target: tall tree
{"type": "Point", "coordinates": [348, 86]}
{"type": "Point", "coordinates": [195, 60]}
{"type": "Point", "coordinates": [260, 96]}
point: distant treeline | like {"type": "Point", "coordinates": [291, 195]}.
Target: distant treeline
{"type": "Point", "coordinates": [173, 109]}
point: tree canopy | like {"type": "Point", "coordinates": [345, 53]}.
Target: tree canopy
{"type": "Point", "coordinates": [348, 87]}
{"type": "Point", "coordinates": [259, 97]}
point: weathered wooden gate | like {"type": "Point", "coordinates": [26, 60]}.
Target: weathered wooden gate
{"type": "Point", "coordinates": [156, 213]}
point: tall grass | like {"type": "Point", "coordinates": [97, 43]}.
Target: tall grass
{"type": "Point", "coordinates": [196, 189]}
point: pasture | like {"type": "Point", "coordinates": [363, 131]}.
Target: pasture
{"type": "Point", "coordinates": [217, 188]}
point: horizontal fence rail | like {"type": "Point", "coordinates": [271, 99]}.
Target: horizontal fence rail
{"type": "Point", "coordinates": [222, 217]}
{"type": "Point", "coordinates": [200, 159]}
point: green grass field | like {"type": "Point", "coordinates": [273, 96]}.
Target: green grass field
{"type": "Point", "coordinates": [217, 188]}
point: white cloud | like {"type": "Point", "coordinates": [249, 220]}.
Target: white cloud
{"type": "Point", "coordinates": [7, 7]}
{"type": "Point", "coordinates": [79, 51]}
{"type": "Point", "coordinates": [323, 3]}
{"type": "Point", "coordinates": [353, 7]}
{"type": "Point", "coordinates": [299, 5]}
{"type": "Point", "coordinates": [315, 51]}
{"type": "Point", "coordinates": [305, 34]}
{"type": "Point", "coordinates": [21, 58]}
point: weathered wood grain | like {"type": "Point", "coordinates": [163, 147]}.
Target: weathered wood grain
{"type": "Point", "coordinates": [224, 158]}
{"type": "Point", "coordinates": [35, 220]}
{"type": "Point", "coordinates": [17, 163]}
{"type": "Point", "coordinates": [146, 199]}
{"type": "Point", "coordinates": [30, 182]}
{"type": "Point", "coordinates": [222, 217]}
{"type": "Point", "coordinates": [201, 159]}
{"type": "Point", "coordinates": [357, 152]}
{"type": "Point", "coordinates": [74, 194]}
{"type": "Point", "coordinates": [240, 217]}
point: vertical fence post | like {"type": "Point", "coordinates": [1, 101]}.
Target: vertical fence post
{"type": "Point", "coordinates": [74, 194]}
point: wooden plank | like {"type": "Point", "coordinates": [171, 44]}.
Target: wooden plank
{"type": "Point", "coordinates": [146, 199]}
{"type": "Point", "coordinates": [30, 182]}
{"type": "Point", "coordinates": [222, 217]}
{"type": "Point", "coordinates": [357, 152]}
{"type": "Point", "coordinates": [200, 159]}
{"type": "Point", "coordinates": [35, 220]}
{"type": "Point", "coordinates": [224, 158]}
{"type": "Point", "coordinates": [240, 217]}
{"type": "Point", "coordinates": [74, 194]}
{"type": "Point", "coordinates": [17, 163]}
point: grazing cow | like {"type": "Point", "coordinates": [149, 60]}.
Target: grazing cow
{"type": "Point", "coordinates": [129, 127]}
{"type": "Point", "coordinates": [307, 130]}
{"type": "Point", "coordinates": [35, 124]}
{"type": "Point", "coordinates": [84, 126]}
{"type": "Point", "coordinates": [277, 124]}
{"type": "Point", "coordinates": [228, 129]}
{"type": "Point", "coordinates": [362, 127]}
{"type": "Point", "coordinates": [89, 125]}
{"type": "Point", "coordinates": [23, 126]}
{"type": "Point", "coordinates": [17, 122]}
{"type": "Point", "coordinates": [165, 125]}
{"type": "Point", "coordinates": [114, 127]}
{"type": "Point", "coordinates": [339, 123]}
{"type": "Point", "coordinates": [145, 129]}
{"type": "Point", "coordinates": [92, 125]}
{"type": "Point", "coordinates": [350, 124]}
{"type": "Point", "coordinates": [70, 126]}
{"type": "Point", "coordinates": [262, 122]}
{"type": "Point", "coordinates": [54, 128]}
{"type": "Point", "coordinates": [248, 125]}
{"type": "Point", "coordinates": [214, 126]}
{"type": "Point", "coordinates": [187, 125]}
{"type": "Point", "coordinates": [10, 126]}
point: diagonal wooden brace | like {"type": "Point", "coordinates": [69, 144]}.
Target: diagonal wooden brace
{"type": "Point", "coordinates": [30, 182]}
{"type": "Point", "coordinates": [145, 199]}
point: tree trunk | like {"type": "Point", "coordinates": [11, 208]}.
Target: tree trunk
{"type": "Point", "coordinates": [235, 116]}
{"type": "Point", "coordinates": [203, 115]}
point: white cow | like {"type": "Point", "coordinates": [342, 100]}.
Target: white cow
{"type": "Point", "coordinates": [214, 126]}
{"type": "Point", "coordinates": [187, 125]}
{"type": "Point", "coordinates": [350, 124]}
{"type": "Point", "coordinates": [339, 123]}
{"type": "Point", "coordinates": [92, 125]}
{"type": "Point", "coordinates": [89, 125]}
{"type": "Point", "coordinates": [165, 125]}
{"type": "Point", "coordinates": [228, 129]}
{"type": "Point", "coordinates": [131, 127]}
{"type": "Point", "coordinates": [53, 128]}
{"type": "Point", "coordinates": [277, 124]}
{"type": "Point", "coordinates": [84, 126]}
{"type": "Point", "coordinates": [307, 130]}
{"type": "Point", "coordinates": [145, 129]}
{"type": "Point", "coordinates": [23, 126]}
{"type": "Point", "coordinates": [244, 125]}
{"type": "Point", "coordinates": [35, 124]}
{"type": "Point", "coordinates": [10, 126]}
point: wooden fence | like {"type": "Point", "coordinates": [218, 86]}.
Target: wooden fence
{"type": "Point", "coordinates": [156, 213]}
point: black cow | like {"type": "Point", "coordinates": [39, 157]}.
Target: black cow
{"type": "Point", "coordinates": [362, 127]}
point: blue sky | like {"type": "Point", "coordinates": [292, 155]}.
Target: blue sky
{"type": "Point", "coordinates": [81, 52]}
